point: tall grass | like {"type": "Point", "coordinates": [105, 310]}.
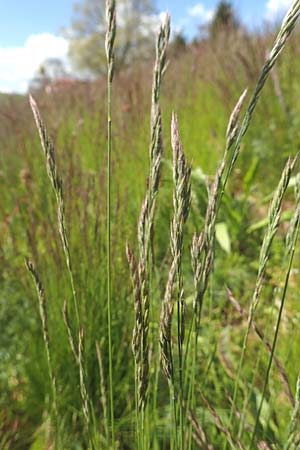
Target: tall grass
{"type": "Point", "coordinates": [141, 271]}
{"type": "Point", "coordinates": [292, 238]}
{"type": "Point", "coordinates": [77, 335]}
{"type": "Point", "coordinates": [109, 46]}
{"type": "Point", "coordinates": [273, 224]}
{"type": "Point", "coordinates": [174, 293]}
{"type": "Point", "coordinates": [44, 320]}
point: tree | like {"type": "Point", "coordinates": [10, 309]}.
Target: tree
{"type": "Point", "coordinates": [225, 18]}
{"type": "Point", "coordinates": [136, 22]}
{"type": "Point", "coordinates": [50, 70]}
{"type": "Point", "coordinates": [178, 44]}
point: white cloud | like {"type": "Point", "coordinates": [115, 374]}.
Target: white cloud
{"type": "Point", "coordinates": [163, 16]}
{"type": "Point", "coordinates": [148, 24]}
{"type": "Point", "coordinates": [18, 64]}
{"type": "Point", "coordinates": [194, 17]}
{"type": "Point", "coordinates": [199, 11]}
{"type": "Point", "coordinates": [276, 7]}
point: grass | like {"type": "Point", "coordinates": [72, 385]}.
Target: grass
{"type": "Point", "coordinates": [141, 271]}
{"type": "Point", "coordinates": [109, 44]}
{"type": "Point", "coordinates": [109, 366]}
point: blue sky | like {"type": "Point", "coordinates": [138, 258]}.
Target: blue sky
{"type": "Point", "coordinates": [32, 33]}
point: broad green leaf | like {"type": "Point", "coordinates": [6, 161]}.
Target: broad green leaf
{"type": "Point", "coordinates": [199, 175]}
{"type": "Point", "coordinates": [286, 215]}
{"type": "Point", "coordinates": [223, 237]}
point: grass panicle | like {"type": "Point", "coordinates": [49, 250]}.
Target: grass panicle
{"type": "Point", "coordinates": [86, 403]}
{"type": "Point", "coordinates": [273, 224]}
{"type": "Point", "coordinates": [110, 37]}
{"type": "Point", "coordinates": [233, 124]}
{"type": "Point", "coordinates": [44, 319]}
{"type": "Point", "coordinates": [267, 344]}
{"type": "Point", "coordinates": [78, 353]}
{"type": "Point", "coordinates": [202, 248]}
{"type": "Point", "coordinates": [141, 271]}
{"type": "Point", "coordinates": [198, 245]}
{"type": "Point", "coordinates": [166, 327]}
{"type": "Point", "coordinates": [287, 26]}
{"type": "Point", "coordinates": [51, 165]}
{"type": "Point", "coordinates": [203, 245]}
{"type": "Point", "coordinates": [291, 241]}
{"type": "Point", "coordinates": [272, 228]}
{"type": "Point", "coordinates": [198, 434]}
{"type": "Point", "coordinates": [67, 323]}
{"type": "Point", "coordinates": [138, 330]}
{"type": "Point", "coordinates": [109, 47]}
{"type": "Point", "coordinates": [161, 47]}
{"type": "Point", "coordinates": [220, 426]}
{"type": "Point", "coordinates": [174, 293]}
{"type": "Point", "coordinates": [181, 205]}
{"type": "Point", "coordinates": [56, 182]}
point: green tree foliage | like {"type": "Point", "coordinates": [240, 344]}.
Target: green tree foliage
{"type": "Point", "coordinates": [225, 18]}
{"type": "Point", "coordinates": [136, 22]}
{"type": "Point", "coordinates": [50, 70]}
{"type": "Point", "coordinates": [178, 44]}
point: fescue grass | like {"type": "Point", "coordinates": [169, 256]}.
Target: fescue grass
{"type": "Point", "coordinates": [109, 45]}
{"type": "Point", "coordinates": [111, 368]}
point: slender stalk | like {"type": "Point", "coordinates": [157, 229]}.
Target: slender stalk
{"type": "Point", "coordinates": [267, 344]}
{"type": "Point", "coordinates": [219, 424]}
{"type": "Point", "coordinates": [198, 434]}
{"type": "Point", "coordinates": [202, 249]}
{"type": "Point", "coordinates": [272, 350]}
{"type": "Point", "coordinates": [102, 390]}
{"type": "Point", "coordinates": [69, 331]}
{"type": "Point", "coordinates": [293, 422]}
{"type": "Point", "coordinates": [44, 320]}
{"type": "Point", "coordinates": [273, 224]}
{"type": "Point", "coordinates": [49, 152]}
{"type": "Point", "coordinates": [283, 374]}
{"type": "Point", "coordinates": [291, 246]}
{"type": "Point", "coordinates": [203, 245]}
{"type": "Point", "coordinates": [279, 365]}
{"type": "Point", "coordinates": [86, 403]}
{"type": "Point", "coordinates": [182, 201]}
{"type": "Point", "coordinates": [109, 46]}
{"type": "Point", "coordinates": [286, 29]}
{"type": "Point", "coordinates": [181, 206]}
{"type": "Point", "coordinates": [202, 258]}
{"type": "Point", "coordinates": [87, 407]}
{"type": "Point", "coordinates": [141, 270]}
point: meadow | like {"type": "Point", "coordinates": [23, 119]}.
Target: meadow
{"type": "Point", "coordinates": [149, 287]}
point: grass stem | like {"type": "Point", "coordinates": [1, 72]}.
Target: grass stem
{"type": "Point", "coordinates": [109, 44]}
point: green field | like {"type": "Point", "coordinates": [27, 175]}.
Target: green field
{"type": "Point", "coordinates": [209, 387]}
